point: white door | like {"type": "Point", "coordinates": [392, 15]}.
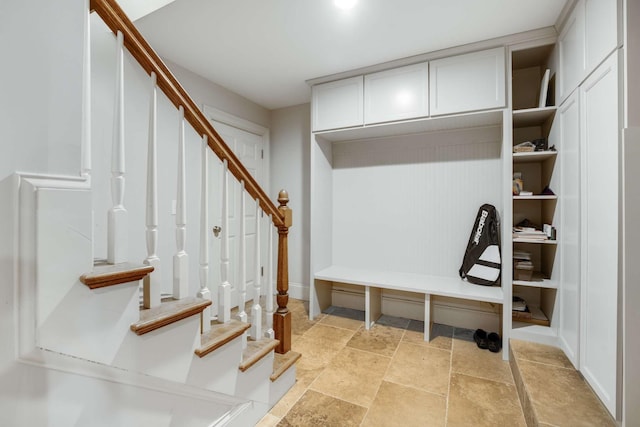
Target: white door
{"type": "Point", "coordinates": [599, 292]}
{"type": "Point", "coordinates": [249, 148]}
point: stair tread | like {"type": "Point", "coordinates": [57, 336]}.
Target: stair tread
{"type": "Point", "coordinates": [219, 335]}
{"type": "Point", "coordinates": [255, 351]}
{"type": "Point", "coordinates": [104, 274]}
{"type": "Point", "coordinates": [167, 313]}
{"type": "Point", "coordinates": [282, 362]}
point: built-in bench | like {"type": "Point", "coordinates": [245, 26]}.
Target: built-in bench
{"type": "Point", "coordinates": [374, 281]}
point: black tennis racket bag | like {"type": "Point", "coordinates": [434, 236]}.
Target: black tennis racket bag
{"type": "Point", "coordinates": [481, 262]}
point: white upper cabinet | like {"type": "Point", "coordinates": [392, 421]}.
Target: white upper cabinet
{"type": "Point", "coordinates": [588, 36]}
{"type": "Point", "coordinates": [571, 47]}
{"type": "Point", "coordinates": [338, 104]}
{"type": "Point", "coordinates": [397, 94]}
{"type": "Point", "coordinates": [601, 32]}
{"type": "Point", "coordinates": [474, 81]}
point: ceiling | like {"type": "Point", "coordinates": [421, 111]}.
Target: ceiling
{"type": "Point", "coordinates": [265, 50]}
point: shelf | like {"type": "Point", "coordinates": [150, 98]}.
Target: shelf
{"type": "Point", "coordinates": [532, 116]}
{"type": "Point", "coordinates": [413, 126]}
{"type": "Point", "coordinates": [538, 318]}
{"type": "Point", "coordinates": [534, 241]}
{"type": "Point", "coordinates": [538, 280]}
{"type": "Point", "coordinates": [533, 156]}
{"type": "Point", "coordinates": [536, 197]}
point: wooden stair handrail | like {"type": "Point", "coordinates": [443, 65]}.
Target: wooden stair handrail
{"type": "Point", "coordinates": [115, 18]}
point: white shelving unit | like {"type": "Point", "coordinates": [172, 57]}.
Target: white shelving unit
{"type": "Point", "coordinates": [537, 169]}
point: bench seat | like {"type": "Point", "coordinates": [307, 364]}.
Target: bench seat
{"type": "Point", "coordinates": [374, 281]}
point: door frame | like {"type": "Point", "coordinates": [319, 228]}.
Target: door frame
{"type": "Point", "coordinates": [221, 116]}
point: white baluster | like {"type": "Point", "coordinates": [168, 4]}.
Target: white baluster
{"type": "Point", "coordinates": [117, 233]}
{"type": "Point", "coordinates": [152, 286]}
{"type": "Point", "coordinates": [181, 259]}
{"type": "Point", "coordinates": [256, 310]}
{"type": "Point", "coordinates": [242, 277]}
{"type": "Point", "coordinates": [204, 236]}
{"type": "Point", "coordinates": [270, 333]}
{"type": "Point", "coordinates": [224, 290]}
{"type": "Point", "coordinates": [86, 101]}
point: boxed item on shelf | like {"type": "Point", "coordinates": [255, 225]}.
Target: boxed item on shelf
{"type": "Point", "coordinates": [524, 147]}
{"type": "Point", "coordinates": [523, 270]}
{"type": "Point", "coordinates": [524, 314]}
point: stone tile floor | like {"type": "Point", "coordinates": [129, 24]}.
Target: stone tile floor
{"type": "Point", "coordinates": [388, 376]}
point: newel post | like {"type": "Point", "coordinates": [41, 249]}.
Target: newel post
{"type": "Point", "coordinates": [282, 316]}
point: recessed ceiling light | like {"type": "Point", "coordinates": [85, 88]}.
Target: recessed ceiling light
{"type": "Point", "coordinates": [345, 4]}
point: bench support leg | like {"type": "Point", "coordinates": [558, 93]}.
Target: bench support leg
{"type": "Point", "coordinates": [373, 305]}
{"type": "Point", "coordinates": [427, 317]}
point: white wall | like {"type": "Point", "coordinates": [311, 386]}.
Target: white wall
{"type": "Point", "coordinates": [8, 269]}
{"type": "Point", "coordinates": [206, 92]}
{"type": "Point", "coordinates": [41, 42]}
{"type": "Point", "coordinates": [290, 145]}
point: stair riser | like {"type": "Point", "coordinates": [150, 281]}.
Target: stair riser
{"type": "Point", "coordinates": [254, 383]}
{"type": "Point", "coordinates": [218, 370]}
{"type": "Point", "coordinates": [281, 386]}
{"type": "Point", "coordinates": [90, 324]}
{"type": "Point", "coordinates": [165, 353]}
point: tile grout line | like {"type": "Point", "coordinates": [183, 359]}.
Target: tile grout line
{"type": "Point", "coordinates": [320, 373]}
{"type": "Point", "coordinates": [417, 389]}
{"type": "Point", "coordinates": [549, 364]}
{"type": "Point", "coordinates": [404, 331]}
{"type": "Point", "coordinates": [446, 411]}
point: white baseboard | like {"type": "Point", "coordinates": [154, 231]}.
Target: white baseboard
{"type": "Point", "coordinates": [447, 311]}
{"type": "Point", "coordinates": [299, 291]}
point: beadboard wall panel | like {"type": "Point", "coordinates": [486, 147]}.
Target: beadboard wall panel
{"type": "Point", "coordinates": [408, 203]}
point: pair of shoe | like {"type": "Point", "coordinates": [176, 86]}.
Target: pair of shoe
{"type": "Point", "coordinates": [491, 341]}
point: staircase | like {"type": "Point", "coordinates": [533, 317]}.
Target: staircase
{"type": "Point", "coordinates": [100, 341]}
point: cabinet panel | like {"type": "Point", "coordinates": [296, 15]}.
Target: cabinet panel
{"type": "Point", "coordinates": [601, 36]}
{"type": "Point", "coordinates": [572, 57]}
{"type": "Point", "coordinates": [599, 153]}
{"type": "Point", "coordinates": [401, 93]}
{"type": "Point", "coordinates": [338, 104]}
{"type": "Point", "coordinates": [587, 38]}
{"type": "Point", "coordinates": [568, 119]}
{"type": "Point", "coordinates": [474, 81]}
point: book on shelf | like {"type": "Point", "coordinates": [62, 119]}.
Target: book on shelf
{"type": "Point", "coordinates": [521, 255]}
{"type": "Point", "coordinates": [518, 304]}
{"type": "Point", "coordinates": [529, 233]}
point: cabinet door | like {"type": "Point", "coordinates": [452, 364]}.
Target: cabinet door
{"type": "Point", "coordinates": [337, 104]}
{"type": "Point", "coordinates": [568, 121]}
{"type": "Point", "coordinates": [601, 35]}
{"type": "Point", "coordinates": [599, 260]}
{"type": "Point", "coordinates": [475, 81]}
{"type": "Point", "coordinates": [571, 48]}
{"type": "Point", "coordinates": [397, 94]}
{"type": "Point", "coordinates": [587, 38]}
